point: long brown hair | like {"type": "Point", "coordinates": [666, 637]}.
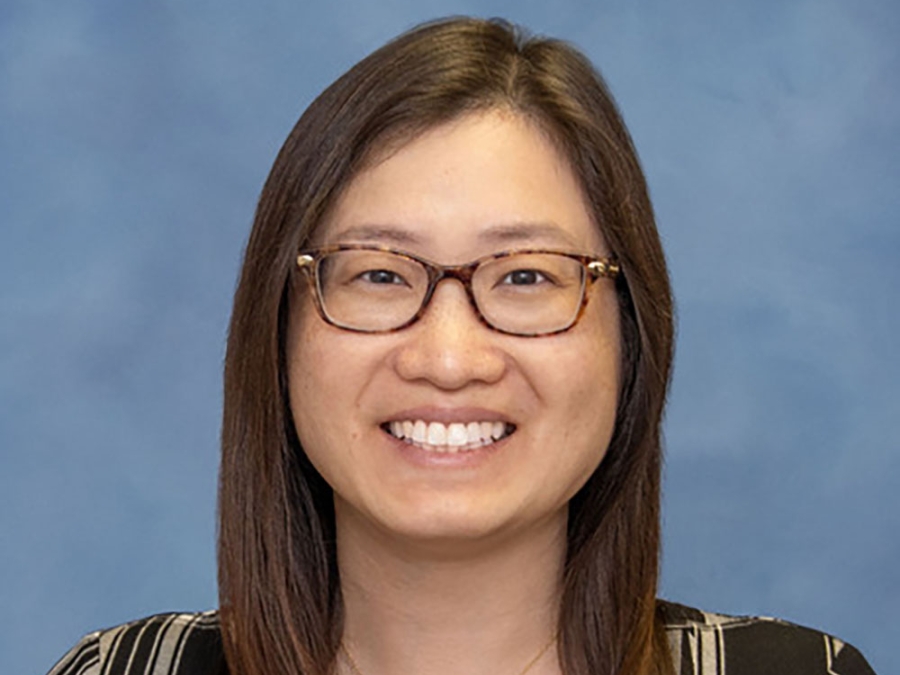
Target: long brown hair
{"type": "Point", "coordinates": [279, 589]}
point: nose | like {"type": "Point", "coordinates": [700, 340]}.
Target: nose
{"type": "Point", "coordinates": [449, 347]}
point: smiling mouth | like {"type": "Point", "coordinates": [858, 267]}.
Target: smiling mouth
{"type": "Point", "coordinates": [454, 437]}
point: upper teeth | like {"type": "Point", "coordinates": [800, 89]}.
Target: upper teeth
{"type": "Point", "coordinates": [450, 437]}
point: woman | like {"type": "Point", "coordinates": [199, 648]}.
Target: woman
{"type": "Point", "coordinates": [446, 370]}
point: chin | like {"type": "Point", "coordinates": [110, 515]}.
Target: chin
{"type": "Point", "coordinates": [460, 529]}
{"type": "Point", "coordinates": [449, 524]}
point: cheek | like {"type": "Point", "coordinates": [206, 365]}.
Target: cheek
{"type": "Point", "coordinates": [314, 385]}
{"type": "Point", "coordinates": [311, 382]}
{"type": "Point", "coordinates": [590, 396]}
{"type": "Point", "coordinates": [329, 372]}
{"type": "Point", "coordinates": [588, 377]}
{"type": "Point", "coordinates": [318, 359]}
{"type": "Point", "coordinates": [307, 361]}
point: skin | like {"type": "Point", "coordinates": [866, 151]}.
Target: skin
{"type": "Point", "coordinates": [454, 565]}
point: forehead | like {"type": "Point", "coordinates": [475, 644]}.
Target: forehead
{"type": "Point", "coordinates": [479, 183]}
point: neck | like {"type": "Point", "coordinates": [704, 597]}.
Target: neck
{"type": "Point", "coordinates": [440, 607]}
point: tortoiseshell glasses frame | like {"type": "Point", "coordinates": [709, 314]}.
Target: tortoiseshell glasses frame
{"type": "Point", "coordinates": [593, 268]}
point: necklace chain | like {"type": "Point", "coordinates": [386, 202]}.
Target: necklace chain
{"type": "Point", "coordinates": [357, 671]}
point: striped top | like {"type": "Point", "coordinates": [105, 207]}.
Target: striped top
{"type": "Point", "coordinates": [702, 644]}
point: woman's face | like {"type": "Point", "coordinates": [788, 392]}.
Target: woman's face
{"type": "Point", "coordinates": [479, 185]}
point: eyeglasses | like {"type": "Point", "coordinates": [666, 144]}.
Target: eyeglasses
{"type": "Point", "coordinates": [374, 289]}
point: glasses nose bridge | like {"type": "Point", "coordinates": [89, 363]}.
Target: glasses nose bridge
{"type": "Point", "coordinates": [462, 273]}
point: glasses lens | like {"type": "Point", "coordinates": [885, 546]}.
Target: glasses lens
{"type": "Point", "coordinates": [371, 290]}
{"type": "Point", "coordinates": [530, 294]}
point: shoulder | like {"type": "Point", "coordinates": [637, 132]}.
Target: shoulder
{"type": "Point", "coordinates": [704, 643]}
{"type": "Point", "coordinates": [164, 644]}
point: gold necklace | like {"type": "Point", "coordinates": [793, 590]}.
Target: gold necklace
{"type": "Point", "coordinates": [356, 669]}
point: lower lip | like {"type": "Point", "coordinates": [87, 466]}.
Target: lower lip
{"type": "Point", "coordinates": [433, 458]}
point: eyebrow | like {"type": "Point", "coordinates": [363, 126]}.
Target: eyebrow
{"type": "Point", "coordinates": [509, 233]}
{"type": "Point", "coordinates": [526, 232]}
{"type": "Point", "coordinates": [380, 234]}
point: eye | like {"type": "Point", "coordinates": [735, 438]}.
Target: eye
{"type": "Point", "coordinates": [524, 277]}
{"type": "Point", "coordinates": [382, 277]}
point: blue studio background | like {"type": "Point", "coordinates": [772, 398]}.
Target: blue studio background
{"type": "Point", "coordinates": [135, 137]}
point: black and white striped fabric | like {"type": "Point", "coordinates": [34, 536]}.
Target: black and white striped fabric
{"type": "Point", "coordinates": [702, 644]}
{"type": "Point", "coordinates": [715, 644]}
{"type": "Point", "coordinates": [165, 644]}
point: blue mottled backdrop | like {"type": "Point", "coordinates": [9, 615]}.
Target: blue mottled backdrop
{"type": "Point", "coordinates": [135, 137]}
